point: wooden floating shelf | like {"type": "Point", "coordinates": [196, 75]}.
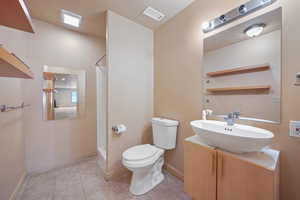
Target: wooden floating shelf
{"type": "Point", "coordinates": [243, 88]}
{"type": "Point", "coordinates": [14, 14]}
{"type": "Point", "coordinates": [11, 66]}
{"type": "Point", "coordinates": [48, 90]}
{"type": "Point", "coordinates": [48, 76]}
{"type": "Point", "coordinates": [238, 70]}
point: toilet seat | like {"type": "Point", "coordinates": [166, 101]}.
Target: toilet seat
{"type": "Point", "coordinates": [140, 152]}
{"type": "Point", "coordinates": [141, 155]}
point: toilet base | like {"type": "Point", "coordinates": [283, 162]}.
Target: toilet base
{"type": "Point", "coordinates": [145, 179]}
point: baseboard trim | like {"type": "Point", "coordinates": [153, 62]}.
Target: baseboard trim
{"type": "Point", "coordinates": [18, 187]}
{"type": "Point", "coordinates": [175, 172]}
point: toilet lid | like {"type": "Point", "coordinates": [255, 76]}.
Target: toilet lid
{"type": "Point", "coordinates": [140, 152]}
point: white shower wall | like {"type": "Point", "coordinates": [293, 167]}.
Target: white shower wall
{"type": "Point", "coordinates": [102, 111]}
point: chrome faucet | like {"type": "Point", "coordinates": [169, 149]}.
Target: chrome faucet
{"type": "Point", "coordinates": [231, 117]}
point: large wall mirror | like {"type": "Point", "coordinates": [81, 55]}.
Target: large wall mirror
{"type": "Point", "coordinates": [242, 68]}
{"type": "Point", "coordinates": [63, 93]}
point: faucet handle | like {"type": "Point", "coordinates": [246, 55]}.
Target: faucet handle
{"type": "Point", "coordinates": [236, 114]}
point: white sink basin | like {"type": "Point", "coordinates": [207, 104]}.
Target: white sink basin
{"type": "Point", "coordinates": [238, 138]}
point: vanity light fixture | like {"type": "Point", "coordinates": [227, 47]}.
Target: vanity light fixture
{"type": "Point", "coordinates": [243, 9]}
{"type": "Point", "coordinates": [207, 25]}
{"type": "Point", "coordinates": [236, 13]}
{"type": "Point", "coordinates": [70, 18]}
{"type": "Point", "coordinates": [265, 1]}
{"type": "Point", "coordinates": [255, 30]}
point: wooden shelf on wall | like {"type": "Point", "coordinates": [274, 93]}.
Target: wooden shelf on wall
{"type": "Point", "coordinates": [238, 70]}
{"type": "Point", "coordinates": [48, 90]}
{"type": "Point", "coordinates": [14, 14]}
{"type": "Point", "coordinates": [11, 66]}
{"type": "Point", "coordinates": [48, 76]}
{"type": "Point", "coordinates": [239, 89]}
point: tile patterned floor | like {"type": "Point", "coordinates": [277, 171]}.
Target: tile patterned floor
{"type": "Point", "coordinates": [84, 182]}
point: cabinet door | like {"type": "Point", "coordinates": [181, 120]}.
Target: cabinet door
{"type": "Point", "coordinates": [242, 180]}
{"type": "Point", "coordinates": [200, 168]}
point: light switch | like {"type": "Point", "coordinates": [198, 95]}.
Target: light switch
{"type": "Point", "coordinates": [295, 128]}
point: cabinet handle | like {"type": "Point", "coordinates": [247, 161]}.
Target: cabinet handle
{"type": "Point", "coordinates": [221, 164]}
{"type": "Point", "coordinates": [213, 164]}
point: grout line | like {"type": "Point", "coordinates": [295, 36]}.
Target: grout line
{"type": "Point", "coordinates": [22, 188]}
{"type": "Point", "coordinates": [82, 187]}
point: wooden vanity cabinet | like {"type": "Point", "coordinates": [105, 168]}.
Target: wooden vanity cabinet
{"type": "Point", "coordinates": [229, 176]}
{"type": "Point", "coordinates": [200, 171]}
{"type": "Point", "coordinates": [239, 179]}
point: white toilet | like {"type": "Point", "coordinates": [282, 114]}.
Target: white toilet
{"type": "Point", "coordinates": [146, 161]}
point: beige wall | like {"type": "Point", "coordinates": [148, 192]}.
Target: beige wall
{"type": "Point", "coordinates": [12, 141]}
{"type": "Point", "coordinates": [51, 144]}
{"type": "Point", "coordinates": [54, 143]}
{"type": "Point", "coordinates": [178, 82]}
{"type": "Point", "coordinates": [130, 85]}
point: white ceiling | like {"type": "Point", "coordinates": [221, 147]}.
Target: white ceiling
{"type": "Point", "coordinates": [93, 11]}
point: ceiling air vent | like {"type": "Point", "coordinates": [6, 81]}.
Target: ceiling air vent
{"type": "Point", "coordinates": [154, 14]}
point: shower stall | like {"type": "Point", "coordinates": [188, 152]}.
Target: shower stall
{"type": "Point", "coordinates": [101, 75]}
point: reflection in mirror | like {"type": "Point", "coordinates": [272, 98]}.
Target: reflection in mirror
{"type": "Point", "coordinates": [242, 68]}
{"type": "Point", "coordinates": [63, 93]}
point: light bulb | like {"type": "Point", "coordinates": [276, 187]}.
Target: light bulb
{"type": "Point", "coordinates": [208, 25]}
{"type": "Point", "coordinates": [205, 25]}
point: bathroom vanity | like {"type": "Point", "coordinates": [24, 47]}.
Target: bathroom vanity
{"type": "Point", "coordinates": [211, 173]}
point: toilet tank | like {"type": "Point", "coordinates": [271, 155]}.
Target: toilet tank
{"type": "Point", "coordinates": [164, 133]}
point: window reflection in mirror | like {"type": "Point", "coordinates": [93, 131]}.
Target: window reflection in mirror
{"type": "Point", "coordinates": [63, 93]}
